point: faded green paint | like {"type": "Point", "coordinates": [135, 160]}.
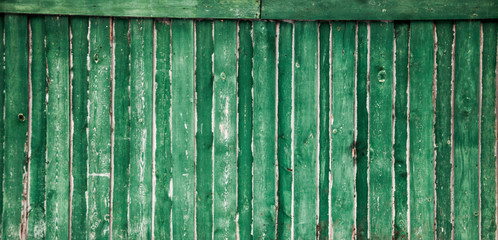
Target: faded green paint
{"type": "Point", "coordinates": [2, 111]}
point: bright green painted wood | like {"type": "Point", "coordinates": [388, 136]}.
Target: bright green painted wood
{"type": "Point", "coordinates": [343, 71]}
{"type": "Point", "coordinates": [99, 129]}
{"type": "Point", "coordinates": [305, 128]}
{"type": "Point", "coordinates": [121, 101]}
{"type": "Point", "coordinates": [488, 132]}
{"type": "Point", "coordinates": [163, 163]}
{"type": "Point", "coordinates": [225, 128]}
{"type": "Point", "coordinates": [362, 132]}
{"type": "Point", "coordinates": [378, 10]}
{"type": "Point", "coordinates": [324, 154]}
{"type": "Point", "coordinates": [442, 128]}
{"type": "Point", "coordinates": [183, 128]}
{"type": "Point", "coordinates": [248, 9]}
{"type": "Point", "coordinates": [16, 102]}
{"type": "Point", "coordinates": [2, 111]}
{"type": "Point", "coordinates": [380, 131]}
{"type": "Point", "coordinates": [57, 206]}
{"type": "Point", "coordinates": [285, 54]}
{"type": "Point", "coordinates": [400, 131]}
{"type": "Point", "coordinates": [421, 130]}
{"type": "Point", "coordinates": [467, 40]}
{"type": "Point", "coordinates": [140, 201]}
{"type": "Point", "coordinates": [245, 159]}
{"type": "Point", "coordinates": [264, 208]}
{"type": "Point", "coordinates": [79, 115]}
{"type": "Point", "coordinates": [204, 136]}
{"type": "Point", "coordinates": [37, 171]}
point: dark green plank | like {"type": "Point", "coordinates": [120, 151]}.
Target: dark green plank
{"type": "Point", "coordinates": [57, 206]}
{"type": "Point", "coordinates": [421, 132]}
{"type": "Point", "coordinates": [362, 132]}
{"type": "Point", "coordinates": [400, 131]}
{"type": "Point", "coordinates": [183, 128]}
{"type": "Point", "coordinates": [141, 8]}
{"type": "Point", "coordinates": [264, 130]}
{"type": "Point", "coordinates": [343, 70]}
{"type": "Point", "coordinates": [37, 171]}
{"type": "Point", "coordinates": [2, 121]}
{"type": "Point", "coordinates": [140, 200]}
{"type": "Point", "coordinates": [79, 115]}
{"type": "Point", "coordinates": [204, 136]}
{"type": "Point", "coordinates": [467, 41]}
{"type": "Point", "coordinates": [99, 129]}
{"type": "Point", "coordinates": [163, 164]}
{"type": "Point", "coordinates": [324, 154]}
{"type": "Point", "coordinates": [442, 128]}
{"type": "Point", "coordinates": [380, 121]}
{"type": "Point", "coordinates": [488, 132]}
{"type": "Point", "coordinates": [121, 91]}
{"type": "Point", "coordinates": [225, 128]}
{"type": "Point", "coordinates": [285, 57]}
{"type": "Point", "coordinates": [244, 161]}
{"type": "Point", "coordinates": [16, 124]}
{"type": "Point", "coordinates": [305, 128]}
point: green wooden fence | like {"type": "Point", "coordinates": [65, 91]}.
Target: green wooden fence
{"type": "Point", "coordinates": [232, 129]}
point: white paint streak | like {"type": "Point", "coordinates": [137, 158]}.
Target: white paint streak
{"type": "Point", "coordinates": [452, 181]}
{"type": "Point", "coordinates": [408, 173]}
{"type": "Point", "coordinates": [368, 131]}
{"type": "Point", "coordinates": [154, 126]}
{"type": "Point", "coordinates": [277, 56]}
{"type": "Point", "coordinates": [480, 133]}
{"type": "Point", "coordinates": [293, 117]}
{"type": "Point", "coordinates": [393, 134]}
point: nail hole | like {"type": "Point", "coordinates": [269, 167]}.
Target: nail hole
{"type": "Point", "coordinates": [21, 117]}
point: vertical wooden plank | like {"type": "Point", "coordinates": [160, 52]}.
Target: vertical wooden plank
{"type": "Point", "coordinates": [264, 130]}
{"type": "Point", "coordinates": [57, 47]}
{"type": "Point", "coordinates": [121, 168]}
{"type": "Point", "coordinates": [37, 197]}
{"type": "Point", "coordinates": [140, 201]}
{"type": "Point", "coordinates": [162, 153]}
{"type": "Point", "coordinates": [79, 115]}
{"type": "Point", "coordinates": [343, 70]}
{"type": "Point", "coordinates": [225, 128]}
{"type": "Point", "coordinates": [183, 128]}
{"type": "Point", "coordinates": [16, 124]}
{"type": "Point", "coordinates": [305, 133]}
{"type": "Point", "coordinates": [467, 129]}
{"type": "Point", "coordinates": [2, 120]}
{"type": "Point", "coordinates": [204, 136]}
{"type": "Point", "coordinates": [324, 154]}
{"type": "Point", "coordinates": [442, 128]}
{"type": "Point", "coordinates": [245, 157]}
{"type": "Point", "coordinates": [421, 132]}
{"type": "Point", "coordinates": [285, 168]}
{"type": "Point", "coordinates": [99, 129]}
{"type": "Point", "coordinates": [400, 131]}
{"type": "Point", "coordinates": [380, 123]}
{"type": "Point", "coordinates": [362, 131]}
{"type": "Point", "coordinates": [488, 132]}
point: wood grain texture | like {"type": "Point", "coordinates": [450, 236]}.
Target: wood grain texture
{"type": "Point", "coordinates": [2, 120]}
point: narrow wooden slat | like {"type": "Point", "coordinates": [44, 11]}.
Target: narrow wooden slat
{"type": "Point", "coordinates": [467, 129]}
{"type": "Point", "coordinates": [264, 130]}
{"type": "Point", "coordinates": [79, 116]}
{"type": "Point", "coordinates": [225, 128]}
{"type": "Point", "coordinates": [324, 154]}
{"type": "Point", "coordinates": [421, 132]}
{"type": "Point", "coordinates": [488, 132]}
{"type": "Point", "coordinates": [121, 167]}
{"type": "Point", "coordinates": [245, 159]}
{"type": "Point", "coordinates": [362, 132]}
{"type": "Point", "coordinates": [380, 123]}
{"type": "Point", "coordinates": [442, 128]}
{"type": "Point", "coordinates": [204, 136]}
{"type": "Point", "coordinates": [343, 71]}
{"type": "Point", "coordinates": [305, 133]}
{"type": "Point", "coordinates": [285, 168]}
{"type": "Point", "coordinates": [163, 163]}
{"type": "Point", "coordinates": [37, 197]}
{"type": "Point", "coordinates": [140, 200]}
{"type": "Point", "coordinates": [182, 134]}
{"type": "Point", "coordinates": [2, 121]}
{"type": "Point", "coordinates": [99, 129]}
{"type": "Point", "coordinates": [16, 124]}
{"type": "Point", "coordinates": [400, 131]}
{"type": "Point", "coordinates": [57, 206]}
